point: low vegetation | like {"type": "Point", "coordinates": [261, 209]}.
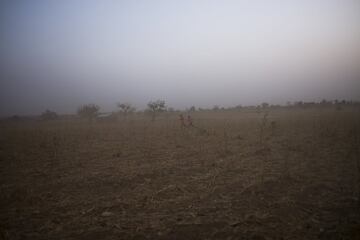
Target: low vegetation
{"type": "Point", "coordinates": [88, 111]}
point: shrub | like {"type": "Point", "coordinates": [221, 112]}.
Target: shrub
{"type": "Point", "coordinates": [49, 115]}
{"type": "Point", "coordinates": [89, 111]}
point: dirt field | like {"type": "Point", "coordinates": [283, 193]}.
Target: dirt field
{"type": "Point", "coordinates": [293, 174]}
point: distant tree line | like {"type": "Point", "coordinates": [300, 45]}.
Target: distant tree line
{"type": "Point", "coordinates": [156, 107]}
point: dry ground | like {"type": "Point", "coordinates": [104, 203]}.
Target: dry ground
{"type": "Point", "coordinates": [292, 175]}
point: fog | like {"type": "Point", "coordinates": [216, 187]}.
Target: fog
{"type": "Point", "coordinates": [60, 54]}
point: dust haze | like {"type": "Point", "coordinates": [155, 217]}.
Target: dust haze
{"type": "Point", "coordinates": [59, 55]}
{"type": "Point", "coordinates": [187, 120]}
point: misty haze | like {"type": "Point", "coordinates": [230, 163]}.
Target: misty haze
{"type": "Point", "coordinates": [180, 119]}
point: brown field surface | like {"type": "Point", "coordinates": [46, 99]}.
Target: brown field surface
{"type": "Point", "coordinates": [293, 174]}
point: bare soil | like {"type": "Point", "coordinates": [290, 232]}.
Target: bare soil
{"type": "Point", "coordinates": [293, 175]}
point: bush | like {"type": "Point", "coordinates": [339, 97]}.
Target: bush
{"type": "Point", "coordinates": [89, 111]}
{"type": "Point", "coordinates": [49, 115]}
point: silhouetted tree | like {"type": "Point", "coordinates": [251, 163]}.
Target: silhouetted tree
{"type": "Point", "coordinates": [264, 105]}
{"type": "Point", "coordinates": [192, 109]}
{"type": "Point", "coordinates": [89, 111]}
{"type": "Point", "coordinates": [215, 108]}
{"type": "Point", "coordinates": [15, 118]}
{"type": "Point", "coordinates": [299, 103]}
{"type": "Point", "coordinates": [325, 102]}
{"type": "Point", "coordinates": [126, 108]}
{"type": "Point", "coordinates": [49, 115]}
{"type": "Point", "coordinates": [156, 107]}
{"type": "Point", "coordinates": [238, 107]}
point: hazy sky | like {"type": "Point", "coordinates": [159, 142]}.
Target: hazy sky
{"type": "Point", "coordinates": [60, 54]}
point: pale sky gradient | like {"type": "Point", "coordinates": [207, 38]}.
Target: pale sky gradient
{"type": "Point", "coordinates": [60, 54]}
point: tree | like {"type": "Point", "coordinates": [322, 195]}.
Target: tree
{"type": "Point", "coordinates": [156, 107]}
{"type": "Point", "coordinates": [49, 115]}
{"type": "Point", "coordinates": [89, 111]}
{"type": "Point", "coordinates": [325, 102]}
{"type": "Point", "coordinates": [264, 105]}
{"type": "Point", "coordinates": [192, 109]}
{"type": "Point", "coordinates": [215, 108]}
{"type": "Point", "coordinates": [238, 107]}
{"type": "Point", "coordinates": [299, 103]}
{"type": "Point", "coordinates": [126, 108]}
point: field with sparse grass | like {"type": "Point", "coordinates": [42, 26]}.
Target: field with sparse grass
{"type": "Point", "coordinates": [285, 174]}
